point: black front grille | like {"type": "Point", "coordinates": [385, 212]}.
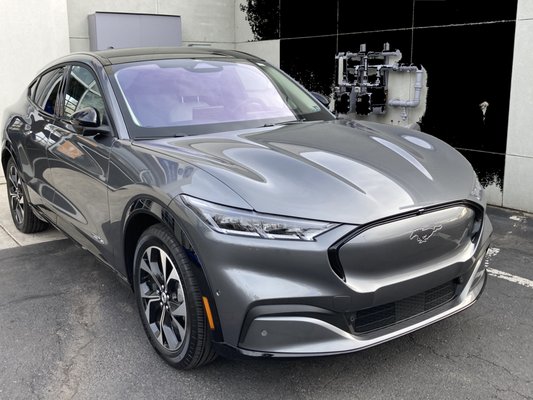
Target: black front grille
{"type": "Point", "coordinates": [379, 317]}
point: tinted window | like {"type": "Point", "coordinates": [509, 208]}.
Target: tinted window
{"type": "Point", "coordinates": [47, 90]}
{"type": "Point", "coordinates": [82, 91]}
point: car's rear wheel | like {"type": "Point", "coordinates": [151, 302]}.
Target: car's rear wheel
{"type": "Point", "coordinates": [169, 300]}
{"type": "Point", "coordinates": [21, 211]}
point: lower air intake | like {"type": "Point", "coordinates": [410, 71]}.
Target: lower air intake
{"type": "Point", "coordinates": [385, 315]}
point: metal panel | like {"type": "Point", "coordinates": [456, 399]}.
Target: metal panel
{"type": "Point", "coordinates": [121, 30]}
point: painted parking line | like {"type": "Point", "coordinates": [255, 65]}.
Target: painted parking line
{"type": "Point", "coordinates": [510, 277]}
{"type": "Point", "coordinates": [492, 252]}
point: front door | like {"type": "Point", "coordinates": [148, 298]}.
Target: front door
{"type": "Point", "coordinates": [79, 166]}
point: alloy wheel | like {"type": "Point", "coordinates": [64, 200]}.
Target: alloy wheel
{"type": "Point", "coordinates": [163, 298]}
{"type": "Point", "coordinates": [16, 194]}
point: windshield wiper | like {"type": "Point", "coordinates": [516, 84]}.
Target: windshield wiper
{"type": "Point", "coordinates": [291, 122]}
{"type": "Point", "coordinates": [158, 137]}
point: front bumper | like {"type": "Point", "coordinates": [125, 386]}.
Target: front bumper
{"type": "Point", "coordinates": [293, 336]}
{"type": "Point", "coordinates": [284, 299]}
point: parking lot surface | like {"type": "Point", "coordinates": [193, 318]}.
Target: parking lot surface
{"type": "Point", "coordinates": [69, 330]}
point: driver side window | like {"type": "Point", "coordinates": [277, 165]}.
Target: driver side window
{"type": "Point", "coordinates": [82, 91]}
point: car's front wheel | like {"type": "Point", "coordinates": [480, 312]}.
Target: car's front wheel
{"type": "Point", "coordinates": [169, 300]}
{"type": "Point", "coordinates": [21, 212]}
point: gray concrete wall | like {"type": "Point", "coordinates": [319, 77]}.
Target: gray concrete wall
{"type": "Point", "coordinates": [518, 181]}
{"type": "Point", "coordinates": [32, 33]}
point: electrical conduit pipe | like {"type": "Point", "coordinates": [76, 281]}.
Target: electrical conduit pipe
{"type": "Point", "coordinates": [414, 102]}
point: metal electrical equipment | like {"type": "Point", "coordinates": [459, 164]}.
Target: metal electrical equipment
{"type": "Point", "coordinates": [362, 81]}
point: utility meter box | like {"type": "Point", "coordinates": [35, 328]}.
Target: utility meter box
{"type": "Point", "coordinates": [121, 30]}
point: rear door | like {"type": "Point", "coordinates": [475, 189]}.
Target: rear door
{"type": "Point", "coordinates": [35, 138]}
{"type": "Point", "coordinates": [80, 165]}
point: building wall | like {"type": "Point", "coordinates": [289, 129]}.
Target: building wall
{"type": "Point", "coordinates": [28, 41]}
{"type": "Point", "coordinates": [206, 22]}
{"type": "Point", "coordinates": [266, 49]}
{"type": "Point", "coordinates": [518, 182]}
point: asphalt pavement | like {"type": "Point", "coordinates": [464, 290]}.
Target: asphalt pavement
{"type": "Point", "coordinates": [69, 330]}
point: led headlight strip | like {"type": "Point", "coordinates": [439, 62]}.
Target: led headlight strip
{"type": "Point", "coordinates": [233, 221]}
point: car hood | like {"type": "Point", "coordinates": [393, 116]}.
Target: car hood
{"type": "Point", "coordinates": [338, 171]}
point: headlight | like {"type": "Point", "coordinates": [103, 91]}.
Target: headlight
{"type": "Point", "coordinates": [233, 221]}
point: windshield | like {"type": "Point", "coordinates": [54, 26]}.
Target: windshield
{"type": "Point", "coordinates": [196, 96]}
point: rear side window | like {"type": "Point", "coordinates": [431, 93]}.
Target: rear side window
{"type": "Point", "coordinates": [48, 89]}
{"type": "Point", "coordinates": [32, 89]}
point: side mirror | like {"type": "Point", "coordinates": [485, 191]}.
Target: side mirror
{"type": "Point", "coordinates": [321, 99]}
{"type": "Point", "coordinates": [87, 122]}
{"type": "Point", "coordinates": [87, 117]}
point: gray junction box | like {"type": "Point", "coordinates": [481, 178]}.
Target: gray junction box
{"type": "Point", "coordinates": [121, 30]}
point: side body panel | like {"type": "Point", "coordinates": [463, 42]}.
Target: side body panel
{"type": "Point", "coordinates": [79, 168]}
{"type": "Point", "coordinates": [27, 133]}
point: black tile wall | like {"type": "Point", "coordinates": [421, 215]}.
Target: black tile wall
{"type": "Point", "coordinates": [488, 166]}
{"type": "Point", "coordinates": [446, 12]}
{"type": "Point", "coordinates": [311, 62]}
{"type": "Point", "coordinates": [362, 16]}
{"type": "Point", "coordinates": [308, 18]}
{"type": "Point", "coordinates": [467, 65]}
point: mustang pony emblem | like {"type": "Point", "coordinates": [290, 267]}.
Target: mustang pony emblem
{"type": "Point", "coordinates": [422, 235]}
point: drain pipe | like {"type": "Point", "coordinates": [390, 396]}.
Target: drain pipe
{"type": "Point", "coordinates": [414, 102]}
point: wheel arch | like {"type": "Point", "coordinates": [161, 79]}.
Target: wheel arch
{"type": "Point", "coordinates": [141, 213]}
{"type": "Point", "coordinates": [145, 211]}
{"type": "Point", "coordinates": [7, 153]}
{"type": "Point", "coordinates": [137, 224]}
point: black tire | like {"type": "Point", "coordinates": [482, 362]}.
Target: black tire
{"type": "Point", "coordinates": [171, 300]}
{"type": "Point", "coordinates": [17, 195]}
